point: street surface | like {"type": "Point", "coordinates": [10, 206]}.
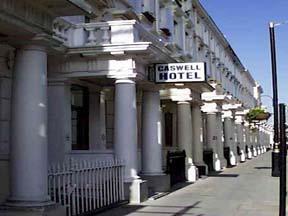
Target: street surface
{"type": "Point", "coordinates": [245, 190]}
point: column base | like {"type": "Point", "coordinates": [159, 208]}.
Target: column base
{"type": "Point", "coordinates": [213, 162]}
{"type": "Point", "coordinates": [223, 163]}
{"type": "Point", "coordinates": [191, 173]}
{"type": "Point", "coordinates": [254, 152]}
{"type": "Point", "coordinates": [242, 156]}
{"type": "Point", "coordinates": [157, 183]}
{"type": "Point", "coordinates": [218, 162]}
{"type": "Point", "coordinates": [230, 157]}
{"type": "Point", "coordinates": [202, 168]}
{"type": "Point", "coordinates": [249, 154]}
{"type": "Point", "coordinates": [49, 209]}
{"type": "Point", "coordinates": [233, 159]}
{"type": "Point", "coordinates": [136, 191]}
{"type": "Point", "coordinates": [258, 151]}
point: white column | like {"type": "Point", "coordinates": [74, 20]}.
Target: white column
{"type": "Point", "coordinates": [97, 133]}
{"type": "Point", "coordinates": [220, 144]}
{"type": "Point", "coordinates": [258, 142]}
{"type": "Point", "coordinates": [197, 146]}
{"type": "Point", "coordinates": [28, 130]}
{"type": "Point", "coordinates": [264, 137]}
{"type": "Point", "coordinates": [261, 140]}
{"type": "Point", "coordinates": [254, 143]}
{"type": "Point", "coordinates": [266, 140]}
{"type": "Point", "coordinates": [260, 137]}
{"type": "Point", "coordinates": [248, 141]}
{"type": "Point", "coordinates": [229, 135]}
{"type": "Point", "coordinates": [103, 120]}
{"type": "Point", "coordinates": [212, 140]}
{"type": "Point", "coordinates": [184, 135]}
{"type": "Point", "coordinates": [151, 134]}
{"type": "Point", "coordinates": [240, 136]}
{"type": "Point", "coordinates": [125, 126]}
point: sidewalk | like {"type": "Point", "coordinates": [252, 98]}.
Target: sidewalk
{"type": "Point", "coordinates": [245, 190]}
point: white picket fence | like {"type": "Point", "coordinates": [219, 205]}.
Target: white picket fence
{"type": "Point", "coordinates": [85, 186]}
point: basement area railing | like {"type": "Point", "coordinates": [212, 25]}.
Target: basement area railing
{"type": "Point", "coordinates": [86, 186]}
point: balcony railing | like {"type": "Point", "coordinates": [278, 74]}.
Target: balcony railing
{"type": "Point", "coordinates": [104, 33]}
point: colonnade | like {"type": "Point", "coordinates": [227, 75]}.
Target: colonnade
{"type": "Point", "coordinates": [29, 138]}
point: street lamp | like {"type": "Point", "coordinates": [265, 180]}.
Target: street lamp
{"type": "Point", "coordinates": [278, 155]}
{"type": "Point", "coordinates": [282, 160]}
{"type": "Point", "coordinates": [275, 152]}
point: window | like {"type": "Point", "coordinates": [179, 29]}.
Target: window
{"type": "Point", "coordinates": [166, 19]}
{"type": "Point", "coordinates": [149, 6]}
{"type": "Point", "coordinates": [169, 129]}
{"type": "Point", "coordinates": [136, 4]}
{"type": "Point", "coordinates": [80, 117]}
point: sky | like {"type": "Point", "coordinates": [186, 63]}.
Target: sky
{"type": "Point", "coordinates": [245, 25]}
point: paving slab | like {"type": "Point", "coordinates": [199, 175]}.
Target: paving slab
{"type": "Point", "coordinates": [245, 190]}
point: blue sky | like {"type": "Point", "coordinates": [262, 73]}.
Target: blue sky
{"type": "Point", "coordinates": [245, 25]}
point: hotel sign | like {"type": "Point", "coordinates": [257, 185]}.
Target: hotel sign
{"type": "Point", "coordinates": [180, 72]}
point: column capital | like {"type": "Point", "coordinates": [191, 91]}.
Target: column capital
{"type": "Point", "coordinates": [58, 82]}
{"type": "Point", "coordinates": [149, 86]}
{"type": "Point", "coordinates": [228, 114]}
{"type": "Point", "coordinates": [35, 47]}
{"type": "Point", "coordinates": [246, 123]}
{"type": "Point", "coordinates": [124, 81]}
{"type": "Point", "coordinates": [197, 103]}
{"type": "Point", "coordinates": [176, 94]}
{"type": "Point", "coordinates": [211, 108]}
{"type": "Point", "coordinates": [232, 107]}
{"type": "Point", "coordinates": [183, 102]}
{"type": "Point", "coordinates": [239, 119]}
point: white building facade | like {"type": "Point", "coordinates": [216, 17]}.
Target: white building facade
{"type": "Point", "coordinates": [76, 81]}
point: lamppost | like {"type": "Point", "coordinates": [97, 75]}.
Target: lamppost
{"type": "Point", "coordinates": [275, 152]}
{"type": "Point", "coordinates": [282, 161]}
{"type": "Point", "coordinates": [278, 155]}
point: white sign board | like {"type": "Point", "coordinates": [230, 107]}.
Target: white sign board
{"type": "Point", "coordinates": [180, 72]}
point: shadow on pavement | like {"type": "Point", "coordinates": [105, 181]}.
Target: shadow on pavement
{"type": "Point", "coordinates": [121, 211]}
{"type": "Point", "coordinates": [223, 175]}
{"type": "Point", "coordinates": [179, 186]}
{"type": "Point", "coordinates": [140, 209]}
{"type": "Point", "coordinates": [186, 209]}
{"type": "Point", "coordinates": [262, 167]}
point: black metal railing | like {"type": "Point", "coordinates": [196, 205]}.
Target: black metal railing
{"type": "Point", "coordinates": [176, 166]}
